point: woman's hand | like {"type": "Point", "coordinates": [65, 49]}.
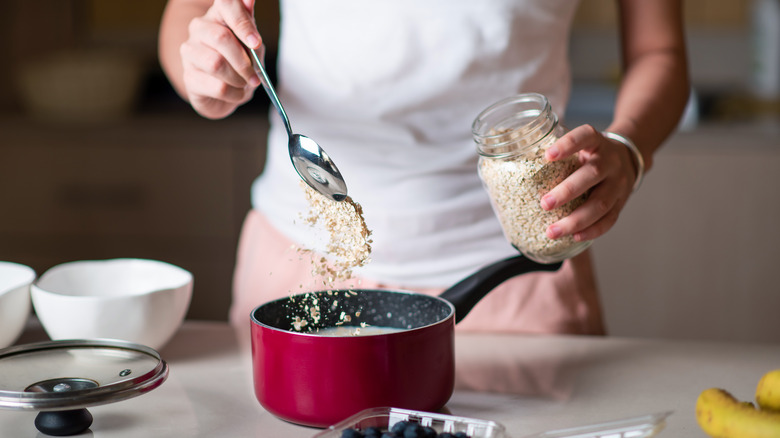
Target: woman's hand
{"type": "Point", "coordinates": [217, 73]}
{"type": "Point", "coordinates": [608, 170]}
{"type": "Point", "coordinates": [652, 95]}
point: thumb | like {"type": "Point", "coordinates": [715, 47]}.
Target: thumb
{"type": "Point", "coordinates": [241, 21]}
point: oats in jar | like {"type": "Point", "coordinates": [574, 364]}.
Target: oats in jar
{"type": "Point", "coordinates": [512, 136]}
{"type": "Point", "coordinates": [516, 188]}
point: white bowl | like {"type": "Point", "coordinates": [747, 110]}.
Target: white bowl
{"type": "Point", "coordinates": [15, 280]}
{"type": "Point", "coordinates": [136, 300]}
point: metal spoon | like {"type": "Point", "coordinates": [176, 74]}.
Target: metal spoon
{"type": "Point", "coordinates": [310, 161]}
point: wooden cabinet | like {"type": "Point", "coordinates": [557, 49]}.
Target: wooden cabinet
{"type": "Point", "coordinates": [169, 188]}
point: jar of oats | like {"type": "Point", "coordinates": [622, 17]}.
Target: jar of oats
{"type": "Point", "coordinates": [511, 137]}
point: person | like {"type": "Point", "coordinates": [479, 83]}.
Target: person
{"type": "Point", "coordinates": [389, 88]}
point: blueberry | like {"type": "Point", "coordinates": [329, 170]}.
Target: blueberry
{"type": "Point", "coordinates": [413, 430]}
{"type": "Point", "coordinates": [461, 435]}
{"type": "Point", "coordinates": [446, 435]}
{"type": "Point", "coordinates": [399, 427]}
{"type": "Point", "coordinates": [351, 433]}
{"type": "Point", "coordinates": [389, 435]}
{"type": "Point", "coordinates": [428, 432]}
{"type": "Point", "coordinates": [372, 432]}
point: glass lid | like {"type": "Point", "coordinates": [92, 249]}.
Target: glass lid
{"type": "Point", "coordinates": [73, 374]}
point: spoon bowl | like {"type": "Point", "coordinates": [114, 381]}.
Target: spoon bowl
{"type": "Point", "coordinates": [316, 168]}
{"type": "Point", "coordinates": [311, 162]}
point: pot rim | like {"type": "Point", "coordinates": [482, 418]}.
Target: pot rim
{"type": "Point", "coordinates": [402, 331]}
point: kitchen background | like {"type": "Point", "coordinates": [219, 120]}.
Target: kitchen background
{"type": "Point", "coordinates": [100, 159]}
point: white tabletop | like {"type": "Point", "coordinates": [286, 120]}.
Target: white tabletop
{"type": "Point", "coordinates": [527, 383]}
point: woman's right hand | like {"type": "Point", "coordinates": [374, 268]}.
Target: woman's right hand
{"type": "Point", "coordinates": [218, 75]}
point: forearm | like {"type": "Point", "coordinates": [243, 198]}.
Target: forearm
{"type": "Point", "coordinates": [173, 32]}
{"type": "Point", "coordinates": [652, 97]}
{"type": "Point", "coordinates": [655, 85]}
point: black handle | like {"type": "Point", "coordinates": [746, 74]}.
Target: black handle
{"type": "Point", "coordinates": [63, 423]}
{"type": "Point", "coordinates": [466, 293]}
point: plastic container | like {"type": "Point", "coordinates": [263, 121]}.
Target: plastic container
{"type": "Point", "coordinates": [644, 426]}
{"type": "Point", "coordinates": [385, 418]}
{"type": "Point", "coordinates": [512, 136]}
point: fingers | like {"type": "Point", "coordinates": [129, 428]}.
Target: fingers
{"type": "Point", "coordinates": [604, 175]}
{"type": "Point", "coordinates": [592, 219]}
{"type": "Point", "coordinates": [213, 88]}
{"type": "Point", "coordinates": [205, 85]}
{"type": "Point", "coordinates": [218, 73]}
{"type": "Point", "coordinates": [217, 51]}
{"type": "Point", "coordinates": [212, 108]}
{"type": "Point", "coordinates": [238, 17]}
{"type": "Point", "coordinates": [577, 184]}
{"type": "Point", "coordinates": [217, 107]}
{"type": "Point", "coordinates": [583, 137]}
{"type": "Point", "coordinates": [595, 167]}
{"type": "Point", "coordinates": [227, 27]}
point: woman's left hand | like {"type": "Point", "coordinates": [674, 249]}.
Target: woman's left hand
{"type": "Point", "coordinates": [607, 170]}
{"type": "Point", "coordinates": [654, 89]}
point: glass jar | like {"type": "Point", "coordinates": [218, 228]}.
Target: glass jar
{"type": "Point", "coordinates": [512, 136]}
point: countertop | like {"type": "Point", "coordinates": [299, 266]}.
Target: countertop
{"type": "Point", "coordinates": [528, 383]}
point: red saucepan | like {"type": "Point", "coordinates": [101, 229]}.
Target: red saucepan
{"type": "Point", "coordinates": [310, 379]}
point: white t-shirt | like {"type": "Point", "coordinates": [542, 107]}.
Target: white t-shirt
{"type": "Point", "coordinates": [390, 88]}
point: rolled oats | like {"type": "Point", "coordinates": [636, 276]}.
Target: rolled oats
{"type": "Point", "coordinates": [512, 137]}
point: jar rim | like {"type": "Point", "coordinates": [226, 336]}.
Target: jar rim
{"type": "Point", "coordinates": [533, 107]}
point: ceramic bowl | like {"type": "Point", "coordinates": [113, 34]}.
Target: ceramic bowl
{"type": "Point", "coordinates": [15, 281]}
{"type": "Point", "coordinates": [136, 300]}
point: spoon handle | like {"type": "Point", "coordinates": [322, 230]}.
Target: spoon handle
{"type": "Point", "coordinates": [269, 90]}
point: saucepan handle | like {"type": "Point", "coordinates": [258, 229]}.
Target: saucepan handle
{"type": "Point", "coordinates": [466, 293]}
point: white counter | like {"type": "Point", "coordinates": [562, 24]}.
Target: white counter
{"type": "Point", "coordinates": [527, 383]}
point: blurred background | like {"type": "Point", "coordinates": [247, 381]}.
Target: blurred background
{"type": "Point", "coordinates": [99, 158]}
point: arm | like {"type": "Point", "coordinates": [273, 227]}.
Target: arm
{"type": "Point", "coordinates": [651, 99]}
{"type": "Point", "coordinates": [202, 55]}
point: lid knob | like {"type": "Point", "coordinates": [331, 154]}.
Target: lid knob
{"type": "Point", "coordinates": [63, 423]}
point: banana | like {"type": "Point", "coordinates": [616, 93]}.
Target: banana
{"type": "Point", "coordinates": [768, 391]}
{"type": "Point", "coordinates": [721, 415]}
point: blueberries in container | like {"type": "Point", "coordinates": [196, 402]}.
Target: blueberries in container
{"type": "Point", "coordinates": [372, 432]}
{"type": "Point", "coordinates": [351, 433]}
{"type": "Point", "coordinates": [413, 430]}
{"type": "Point", "coordinates": [399, 427]}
